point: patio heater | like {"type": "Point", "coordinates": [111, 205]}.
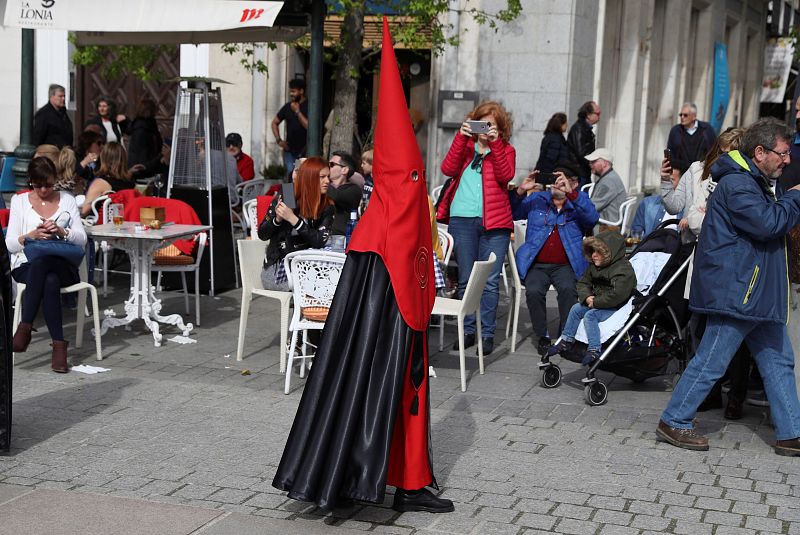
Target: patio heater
{"type": "Point", "coordinates": [201, 172]}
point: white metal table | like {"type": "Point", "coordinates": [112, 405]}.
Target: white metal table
{"type": "Point", "coordinates": [140, 246]}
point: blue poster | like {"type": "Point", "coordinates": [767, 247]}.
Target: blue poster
{"type": "Point", "coordinates": [722, 87]}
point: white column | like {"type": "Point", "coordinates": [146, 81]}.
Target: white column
{"type": "Point", "coordinates": [52, 65]}
{"type": "Point", "coordinates": [194, 60]}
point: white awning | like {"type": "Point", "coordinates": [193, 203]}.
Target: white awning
{"type": "Point", "coordinates": [152, 16]}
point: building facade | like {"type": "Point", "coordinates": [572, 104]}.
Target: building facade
{"type": "Point", "coordinates": [639, 59]}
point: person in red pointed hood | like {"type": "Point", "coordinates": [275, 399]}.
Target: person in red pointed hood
{"type": "Point", "coordinates": [364, 418]}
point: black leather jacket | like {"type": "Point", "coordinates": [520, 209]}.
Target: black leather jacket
{"type": "Point", "coordinates": [284, 239]}
{"type": "Point", "coordinates": [581, 141]}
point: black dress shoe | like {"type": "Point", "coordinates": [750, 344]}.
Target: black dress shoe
{"type": "Point", "coordinates": [469, 341]}
{"type": "Point", "coordinates": [420, 500]}
{"type": "Point", "coordinates": [488, 345]}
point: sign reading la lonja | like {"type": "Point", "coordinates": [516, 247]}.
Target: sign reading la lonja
{"type": "Point", "coordinates": [140, 15]}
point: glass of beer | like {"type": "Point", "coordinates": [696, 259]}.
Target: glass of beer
{"type": "Point", "coordinates": [115, 213]}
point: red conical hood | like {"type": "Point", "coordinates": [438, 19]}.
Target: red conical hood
{"type": "Point", "coordinates": [397, 223]}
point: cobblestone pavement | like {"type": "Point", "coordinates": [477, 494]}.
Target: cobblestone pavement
{"type": "Point", "coordinates": [181, 424]}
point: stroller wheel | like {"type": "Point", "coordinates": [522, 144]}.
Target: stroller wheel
{"type": "Point", "coordinates": [551, 376]}
{"type": "Point", "coordinates": [595, 393]}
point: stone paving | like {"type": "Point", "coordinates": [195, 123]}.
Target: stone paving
{"type": "Point", "coordinates": [182, 425]}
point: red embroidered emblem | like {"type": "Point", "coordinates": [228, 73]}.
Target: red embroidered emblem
{"type": "Point", "coordinates": [421, 267]}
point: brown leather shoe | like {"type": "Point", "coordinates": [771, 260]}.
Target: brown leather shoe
{"type": "Point", "coordinates": [59, 358]}
{"type": "Point", "coordinates": [22, 338]}
{"type": "Point", "coordinates": [788, 448]}
{"type": "Point", "coordinates": [682, 438]}
{"type": "Point", "coordinates": [733, 411]}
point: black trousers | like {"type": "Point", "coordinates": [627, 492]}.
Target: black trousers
{"type": "Point", "coordinates": [43, 279]}
{"type": "Point", "coordinates": [537, 282]}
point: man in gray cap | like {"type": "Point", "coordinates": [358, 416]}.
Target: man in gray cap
{"type": "Point", "coordinates": [609, 191]}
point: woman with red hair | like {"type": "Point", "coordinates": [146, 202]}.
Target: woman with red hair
{"type": "Point", "coordinates": [306, 227]}
{"type": "Point", "coordinates": [476, 204]}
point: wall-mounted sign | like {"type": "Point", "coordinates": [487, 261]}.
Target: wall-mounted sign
{"type": "Point", "coordinates": [454, 107]}
{"type": "Point", "coordinates": [777, 61]}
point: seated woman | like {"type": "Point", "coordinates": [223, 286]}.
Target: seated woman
{"type": "Point", "coordinates": [306, 227]}
{"type": "Point", "coordinates": [43, 214]}
{"type": "Point", "coordinates": [113, 175]}
{"type": "Point", "coordinates": [68, 178]}
{"type": "Point", "coordinates": [87, 151]}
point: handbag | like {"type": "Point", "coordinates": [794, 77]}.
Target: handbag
{"type": "Point", "coordinates": [55, 246]}
{"type": "Point", "coordinates": [70, 252]}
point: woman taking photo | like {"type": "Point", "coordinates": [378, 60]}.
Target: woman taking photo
{"type": "Point", "coordinates": [476, 203]}
{"type": "Point", "coordinates": [554, 146]}
{"type": "Point", "coordinates": [43, 214]}
{"type": "Point", "coordinates": [306, 227]}
{"type": "Point", "coordinates": [113, 175]}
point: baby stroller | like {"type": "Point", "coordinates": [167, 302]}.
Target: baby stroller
{"type": "Point", "coordinates": [647, 336]}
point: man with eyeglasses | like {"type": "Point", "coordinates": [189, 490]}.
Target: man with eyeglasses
{"type": "Point", "coordinates": [581, 139]}
{"type": "Point", "coordinates": [791, 173]}
{"type": "Point", "coordinates": [740, 282]}
{"type": "Point", "coordinates": [552, 253]}
{"type": "Point", "coordinates": [689, 140]}
{"type": "Point", "coordinates": [345, 194]}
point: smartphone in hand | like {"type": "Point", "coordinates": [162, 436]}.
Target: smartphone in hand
{"type": "Point", "coordinates": [479, 127]}
{"type": "Point", "coordinates": [668, 156]}
{"type": "Point", "coordinates": [287, 195]}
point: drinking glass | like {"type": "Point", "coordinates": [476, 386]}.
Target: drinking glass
{"type": "Point", "coordinates": [115, 213]}
{"type": "Point", "coordinates": [637, 236]}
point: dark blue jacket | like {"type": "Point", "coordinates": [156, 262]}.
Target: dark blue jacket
{"type": "Point", "coordinates": [577, 217]}
{"type": "Point", "coordinates": [682, 157]}
{"type": "Point", "coordinates": [741, 261]}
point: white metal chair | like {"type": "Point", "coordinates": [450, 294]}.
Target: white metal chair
{"type": "Point", "coordinates": [191, 265]}
{"type": "Point", "coordinates": [460, 308]}
{"type": "Point", "coordinates": [314, 276]}
{"type": "Point", "coordinates": [435, 192]}
{"type": "Point", "coordinates": [94, 218]}
{"type": "Point", "coordinates": [251, 260]}
{"type": "Point", "coordinates": [251, 189]}
{"type": "Point", "coordinates": [588, 188]}
{"type": "Point", "coordinates": [81, 288]}
{"type": "Point", "coordinates": [624, 215]}
{"type": "Point", "coordinates": [446, 241]}
{"type": "Point", "coordinates": [518, 292]}
{"type": "Point", "coordinates": [250, 211]}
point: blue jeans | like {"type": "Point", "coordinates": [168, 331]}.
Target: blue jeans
{"type": "Point", "coordinates": [592, 317]}
{"type": "Point", "coordinates": [471, 243]}
{"type": "Point", "coordinates": [288, 163]}
{"type": "Point", "coordinates": [772, 351]}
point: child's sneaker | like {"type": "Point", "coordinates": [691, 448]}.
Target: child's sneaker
{"type": "Point", "coordinates": [589, 357]}
{"type": "Point", "coordinates": [560, 347]}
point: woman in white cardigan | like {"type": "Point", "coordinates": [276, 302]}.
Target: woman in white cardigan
{"type": "Point", "coordinates": [43, 214]}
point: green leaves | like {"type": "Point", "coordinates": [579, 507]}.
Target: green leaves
{"type": "Point", "coordinates": [248, 58]}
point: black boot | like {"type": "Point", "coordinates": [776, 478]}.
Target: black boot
{"type": "Point", "coordinates": [420, 500]}
{"type": "Point", "coordinates": [488, 345]}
